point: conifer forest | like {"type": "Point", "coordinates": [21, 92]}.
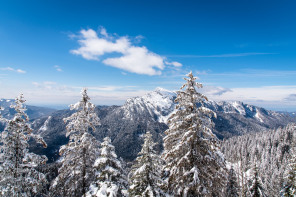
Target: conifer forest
{"type": "Point", "coordinates": [184, 156]}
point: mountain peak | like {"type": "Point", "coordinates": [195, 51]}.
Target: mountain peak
{"type": "Point", "coordinates": [165, 92]}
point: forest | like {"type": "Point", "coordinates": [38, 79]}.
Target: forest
{"type": "Point", "coordinates": [193, 162]}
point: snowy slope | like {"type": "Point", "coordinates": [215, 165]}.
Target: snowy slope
{"type": "Point", "coordinates": [158, 104]}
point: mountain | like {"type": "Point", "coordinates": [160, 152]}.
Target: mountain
{"type": "Point", "coordinates": [127, 124]}
{"type": "Point", "coordinates": [33, 112]}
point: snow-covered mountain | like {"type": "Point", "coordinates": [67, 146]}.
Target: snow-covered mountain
{"type": "Point", "coordinates": [157, 104]}
{"type": "Point", "coordinates": [126, 124]}
{"type": "Point", "coordinates": [233, 118]}
{"type": "Point", "coordinates": [32, 111]}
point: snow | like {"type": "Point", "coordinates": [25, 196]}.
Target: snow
{"type": "Point", "coordinates": [257, 116]}
{"type": "Point", "coordinates": [238, 106]}
{"type": "Point", "coordinates": [45, 125]}
{"type": "Point", "coordinates": [158, 103]}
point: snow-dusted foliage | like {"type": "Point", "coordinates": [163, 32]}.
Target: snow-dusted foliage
{"type": "Point", "coordinates": [78, 156]}
{"type": "Point", "coordinates": [256, 187]}
{"type": "Point", "coordinates": [194, 162]}
{"type": "Point", "coordinates": [232, 187]}
{"type": "Point", "coordinates": [289, 188]}
{"type": "Point", "coordinates": [271, 150]}
{"type": "Point", "coordinates": [18, 173]}
{"type": "Point", "coordinates": [145, 180]}
{"type": "Point", "coordinates": [110, 178]}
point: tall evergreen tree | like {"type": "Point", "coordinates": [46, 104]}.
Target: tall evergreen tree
{"type": "Point", "coordinates": [256, 188]}
{"type": "Point", "coordinates": [289, 188]}
{"type": "Point", "coordinates": [232, 187]}
{"type": "Point", "coordinates": [19, 176]}
{"type": "Point", "coordinates": [145, 178]}
{"type": "Point", "coordinates": [110, 177]}
{"type": "Point", "coordinates": [78, 156]}
{"type": "Point", "coordinates": [193, 159]}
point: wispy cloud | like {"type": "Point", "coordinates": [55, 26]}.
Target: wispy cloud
{"type": "Point", "coordinates": [291, 97]}
{"type": "Point", "coordinates": [50, 92]}
{"type": "Point", "coordinates": [214, 90]}
{"type": "Point", "coordinates": [252, 73]}
{"type": "Point", "coordinates": [176, 64]}
{"type": "Point", "coordinates": [221, 55]}
{"type": "Point", "coordinates": [13, 70]}
{"type": "Point", "coordinates": [271, 97]}
{"type": "Point", "coordinates": [266, 93]}
{"type": "Point", "coordinates": [132, 58]}
{"type": "Point", "coordinates": [58, 68]}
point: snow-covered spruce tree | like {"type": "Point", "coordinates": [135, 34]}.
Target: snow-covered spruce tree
{"type": "Point", "coordinates": [78, 156]}
{"type": "Point", "coordinates": [194, 162]}
{"type": "Point", "coordinates": [110, 178]}
{"type": "Point", "coordinates": [18, 173]}
{"type": "Point", "coordinates": [232, 187]}
{"type": "Point", "coordinates": [289, 188]}
{"type": "Point", "coordinates": [145, 180]}
{"type": "Point", "coordinates": [256, 188]}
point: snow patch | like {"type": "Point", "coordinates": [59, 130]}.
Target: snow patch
{"type": "Point", "coordinates": [45, 125]}
{"type": "Point", "coordinates": [258, 116]}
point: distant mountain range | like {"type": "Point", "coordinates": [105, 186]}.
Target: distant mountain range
{"type": "Point", "coordinates": [126, 124]}
{"type": "Point", "coordinates": [33, 112]}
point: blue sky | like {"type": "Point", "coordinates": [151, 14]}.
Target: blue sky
{"type": "Point", "coordinates": [240, 50]}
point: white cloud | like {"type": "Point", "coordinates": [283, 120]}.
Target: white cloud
{"type": "Point", "coordinates": [58, 68]}
{"type": "Point", "coordinates": [13, 70]}
{"type": "Point", "coordinates": [291, 97]}
{"type": "Point", "coordinates": [92, 46]}
{"type": "Point", "coordinates": [176, 64]}
{"type": "Point", "coordinates": [138, 60]}
{"type": "Point", "coordinates": [104, 32]}
{"type": "Point", "coordinates": [267, 93]}
{"type": "Point", "coordinates": [53, 93]}
{"type": "Point", "coordinates": [45, 85]}
{"type": "Point", "coordinates": [214, 91]}
{"type": "Point", "coordinates": [131, 58]}
{"type": "Point", "coordinates": [267, 96]}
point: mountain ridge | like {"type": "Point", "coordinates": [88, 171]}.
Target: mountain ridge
{"type": "Point", "coordinates": [126, 124]}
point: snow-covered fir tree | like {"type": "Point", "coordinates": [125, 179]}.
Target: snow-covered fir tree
{"type": "Point", "coordinates": [256, 187]}
{"type": "Point", "coordinates": [232, 187]}
{"type": "Point", "coordinates": [110, 178]}
{"type": "Point", "coordinates": [78, 156]}
{"type": "Point", "coordinates": [145, 180]}
{"type": "Point", "coordinates": [289, 188]}
{"type": "Point", "coordinates": [194, 162]}
{"type": "Point", "coordinates": [19, 176]}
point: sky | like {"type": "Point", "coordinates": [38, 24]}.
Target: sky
{"type": "Point", "coordinates": [239, 50]}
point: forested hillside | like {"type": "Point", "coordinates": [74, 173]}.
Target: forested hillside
{"type": "Point", "coordinates": [269, 150]}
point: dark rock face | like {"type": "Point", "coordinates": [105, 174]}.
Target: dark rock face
{"type": "Point", "coordinates": [127, 124]}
